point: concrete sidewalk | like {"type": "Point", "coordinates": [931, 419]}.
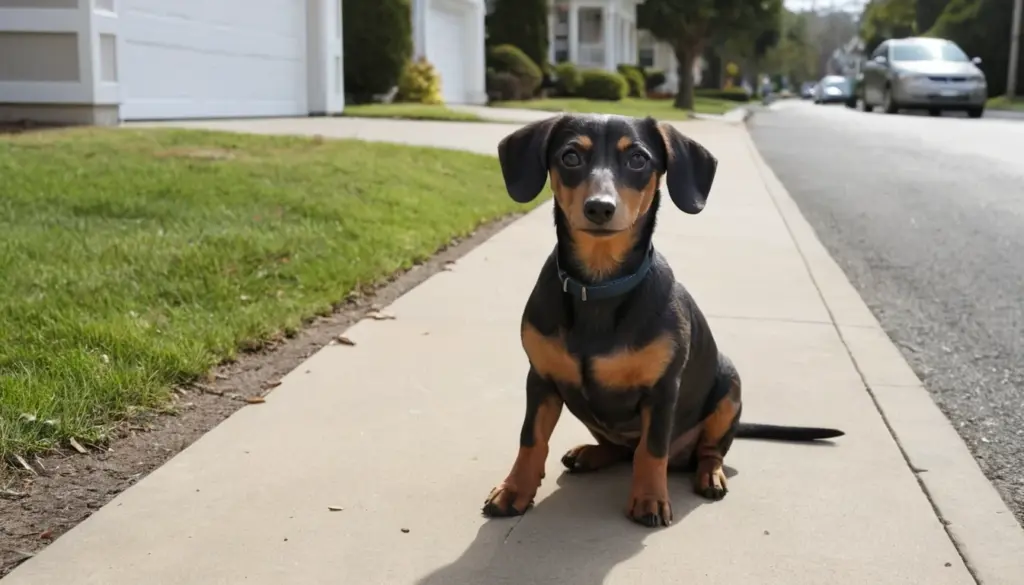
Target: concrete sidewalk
{"type": "Point", "coordinates": [410, 428]}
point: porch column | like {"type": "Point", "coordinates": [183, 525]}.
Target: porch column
{"type": "Point", "coordinates": [551, 33]}
{"type": "Point", "coordinates": [574, 33]}
{"type": "Point", "coordinates": [608, 18]}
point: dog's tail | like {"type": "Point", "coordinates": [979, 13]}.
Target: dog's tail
{"type": "Point", "coordinates": [784, 433]}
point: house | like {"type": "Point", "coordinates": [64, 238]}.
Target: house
{"type": "Point", "coordinates": [603, 34]}
{"type": "Point", "coordinates": [103, 61]}
{"type": "Point", "coordinates": [451, 35]}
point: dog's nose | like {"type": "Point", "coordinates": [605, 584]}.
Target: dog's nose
{"type": "Point", "coordinates": [599, 210]}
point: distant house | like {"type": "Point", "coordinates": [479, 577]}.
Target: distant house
{"type": "Point", "coordinates": [603, 34]}
{"type": "Point", "coordinates": [451, 35]}
{"type": "Point", "coordinates": [103, 61]}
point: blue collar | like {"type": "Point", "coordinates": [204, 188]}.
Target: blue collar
{"type": "Point", "coordinates": [605, 290]}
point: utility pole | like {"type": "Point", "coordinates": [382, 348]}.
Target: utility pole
{"type": "Point", "coordinates": [1011, 73]}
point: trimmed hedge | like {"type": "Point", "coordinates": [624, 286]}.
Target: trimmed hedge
{"type": "Point", "coordinates": [735, 94]}
{"type": "Point", "coordinates": [375, 55]}
{"type": "Point", "coordinates": [598, 84]}
{"type": "Point", "coordinates": [568, 79]}
{"type": "Point", "coordinates": [510, 59]}
{"type": "Point", "coordinates": [634, 78]}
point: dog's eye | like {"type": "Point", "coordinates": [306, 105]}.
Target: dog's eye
{"type": "Point", "coordinates": [637, 162]}
{"type": "Point", "coordinates": [571, 159]}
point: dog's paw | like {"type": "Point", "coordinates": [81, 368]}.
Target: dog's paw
{"type": "Point", "coordinates": [650, 510]}
{"type": "Point", "coordinates": [505, 501]}
{"type": "Point", "coordinates": [710, 480]}
{"type": "Point", "coordinates": [584, 458]}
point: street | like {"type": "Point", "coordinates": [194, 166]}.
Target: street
{"type": "Point", "coordinates": [925, 216]}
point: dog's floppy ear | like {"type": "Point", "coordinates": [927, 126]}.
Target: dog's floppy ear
{"type": "Point", "coordinates": [523, 157]}
{"type": "Point", "coordinates": [690, 168]}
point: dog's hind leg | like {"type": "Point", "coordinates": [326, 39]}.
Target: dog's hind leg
{"type": "Point", "coordinates": [586, 458]}
{"type": "Point", "coordinates": [717, 433]}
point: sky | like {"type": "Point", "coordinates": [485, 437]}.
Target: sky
{"type": "Point", "coordinates": [852, 5]}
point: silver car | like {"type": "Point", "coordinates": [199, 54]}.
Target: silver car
{"type": "Point", "coordinates": [923, 73]}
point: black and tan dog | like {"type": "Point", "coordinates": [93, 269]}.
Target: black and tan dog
{"type": "Point", "coordinates": [609, 332]}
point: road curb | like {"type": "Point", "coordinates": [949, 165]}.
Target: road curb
{"type": "Point", "coordinates": [979, 523]}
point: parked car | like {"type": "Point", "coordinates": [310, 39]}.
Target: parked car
{"type": "Point", "coordinates": [923, 73]}
{"type": "Point", "coordinates": [807, 90]}
{"type": "Point", "coordinates": [832, 89]}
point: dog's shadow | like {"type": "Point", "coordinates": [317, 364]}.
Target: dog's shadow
{"type": "Point", "coordinates": [575, 536]}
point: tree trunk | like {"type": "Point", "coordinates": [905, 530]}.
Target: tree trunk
{"type": "Point", "coordinates": [684, 95]}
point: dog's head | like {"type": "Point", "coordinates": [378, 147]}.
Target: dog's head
{"type": "Point", "coordinates": [605, 172]}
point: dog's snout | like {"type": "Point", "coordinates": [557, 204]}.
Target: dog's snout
{"type": "Point", "coordinates": [599, 210]}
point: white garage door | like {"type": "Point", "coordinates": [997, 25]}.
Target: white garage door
{"type": "Point", "coordinates": [446, 33]}
{"type": "Point", "coordinates": [212, 58]}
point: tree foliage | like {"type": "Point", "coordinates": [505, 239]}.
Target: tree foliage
{"type": "Point", "coordinates": [795, 55]}
{"type": "Point", "coordinates": [982, 29]}
{"type": "Point", "coordinates": [691, 25]}
{"type": "Point", "coordinates": [523, 24]}
{"type": "Point", "coordinates": [375, 55]}
{"type": "Point", "coordinates": [887, 19]}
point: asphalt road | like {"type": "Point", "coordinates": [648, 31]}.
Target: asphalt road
{"type": "Point", "coordinates": [926, 217]}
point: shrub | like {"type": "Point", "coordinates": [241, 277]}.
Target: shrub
{"type": "Point", "coordinates": [568, 79]}
{"type": "Point", "coordinates": [374, 55]}
{"type": "Point", "coordinates": [419, 83]}
{"type": "Point", "coordinates": [521, 23]}
{"type": "Point", "coordinates": [654, 79]}
{"type": "Point", "coordinates": [634, 78]}
{"type": "Point", "coordinates": [735, 94]}
{"type": "Point", "coordinates": [510, 59]}
{"type": "Point", "coordinates": [502, 86]}
{"type": "Point", "coordinates": [597, 84]}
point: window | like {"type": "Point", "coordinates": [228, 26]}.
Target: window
{"type": "Point", "coordinates": [645, 49]}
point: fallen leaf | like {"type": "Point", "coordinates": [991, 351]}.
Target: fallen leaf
{"type": "Point", "coordinates": [378, 316]}
{"type": "Point", "coordinates": [270, 385]}
{"type": "Point", "coordinates": [344, 340]}
{"type": "Point", "coordinates": [46, 535]}
{"type": "Point", "coordinates": [255, 400]}
{"type": "Point", "coordinates": [77, 446]}
{"type": "Point", "coordinates": [405, 530]}
{"type": "Point", "coordinates": [335, 508]}
{"type": "Point", "coordinates": [21, 461]}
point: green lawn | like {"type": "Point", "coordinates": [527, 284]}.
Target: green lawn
{"type": "Point", "coordinates": [409, 112]}
{"type": "Point", "coordinates": [661, 109]}
{"type": "Point", "coordinates": [1001, 103]}
{"type": "Point", "coordinates": [132, 260]}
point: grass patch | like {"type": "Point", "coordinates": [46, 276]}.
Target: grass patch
{"type": "Point", "coordinates": [410, 112]}
{"type": "Point", "coordinates": [133, 260]}
{"type": "Point", "coordinates": [637, 107]}
{"type": "Point", "coordinates": [1001, 103]}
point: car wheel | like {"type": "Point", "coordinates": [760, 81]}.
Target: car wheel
{"type": "Point", "coordinates": [889, 104]}
{"type": "Point", "coordinates": [852, 103]}
{"type": "Point", "coordinates": [934, 112]}
{"type": "Point", "coordinates": [976, 112]}
{"type": "Point", "coordinates": [864, 105]}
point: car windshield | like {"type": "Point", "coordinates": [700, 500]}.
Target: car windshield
{"type": "Point", "coordinates": [839, 82]}
{"type": "Point", "coordinates": [928, 52]}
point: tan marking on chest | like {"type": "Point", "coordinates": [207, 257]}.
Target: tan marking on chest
{"type": "Point", "coordinates": [547, 355]}
{"type": "Point", "coordinates": [634, 367]}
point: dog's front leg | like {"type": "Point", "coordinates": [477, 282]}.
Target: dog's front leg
{"type": "Point", "coordinates": [649, 502]}
{"type": "Point", "coordinates": [543, 407]}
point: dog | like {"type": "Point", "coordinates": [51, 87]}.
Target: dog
{"type": "Point", "coordinates": [609, 332]}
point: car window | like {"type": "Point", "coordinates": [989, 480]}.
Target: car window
{"type": "Point", "coordinates": [880, 51]}
{"type": "Point", "coordinates": [928, 52]}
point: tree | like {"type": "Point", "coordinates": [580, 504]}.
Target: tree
{"type": "Point", "coordinates": [521, 23]}
{"type": "Point", "coordinates": [375, 55]}
{"type": "Point", "coordinates": [887, 19]}
{"type": "Point", "coordinates": [982, 29]}
{"type": "Point", "coordinates": [690, 25]}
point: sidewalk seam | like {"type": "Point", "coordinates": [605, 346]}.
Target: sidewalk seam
{"type": "Point", "coordinates": [752, 148]}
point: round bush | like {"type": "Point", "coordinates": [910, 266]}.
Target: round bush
{"type": "Point", "coordinates": [502, 86]}
{"type": "Point", "coordinates": [419, 83]}
{"type": "Point", "coordinates": [598, 84]}
{"type": "Point", "coordinates": [521, 23]}
{"type": "Point", "coordinates": [568, 79]}
{"type": "Point", "coordinates": [735, 94]}
{"type": "Point", "coordinates": [509, 59]}
{"type": "Point", "coordinates": [374, 55]}
{"type": "Point", "coordinates": [634, 79]}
